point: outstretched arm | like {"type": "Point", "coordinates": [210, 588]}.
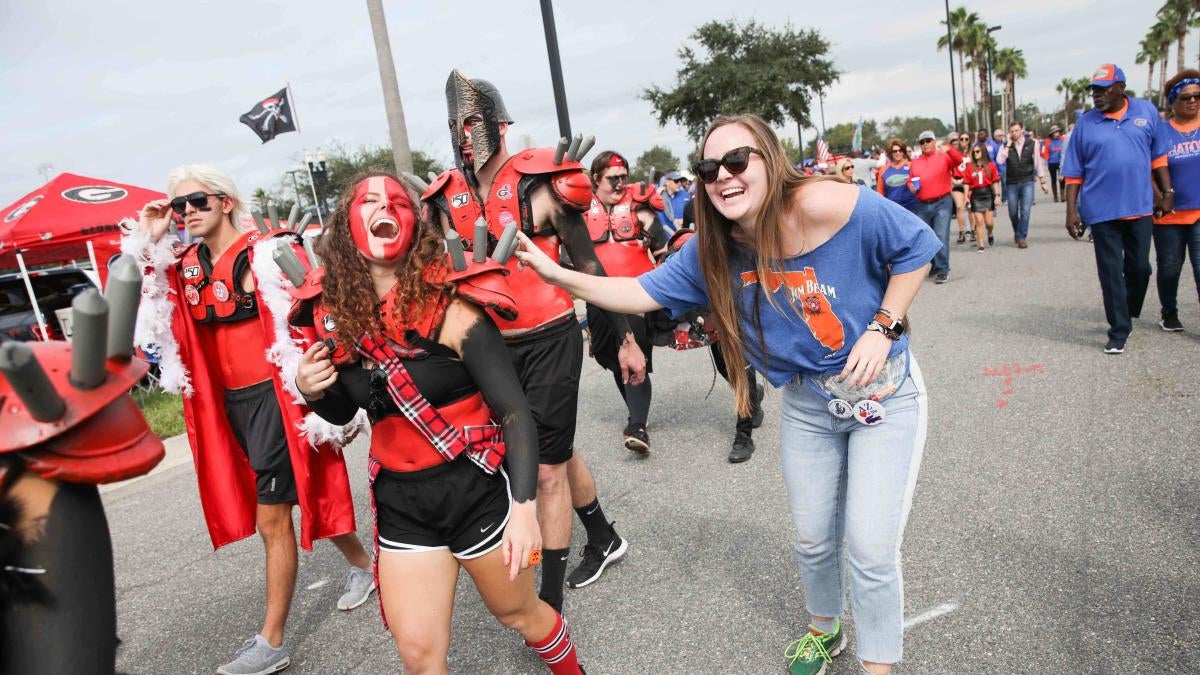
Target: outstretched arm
{"type": "Point", "coordinates": [616, 294]}
{"type": "Point", "coordinates": [571, 229]}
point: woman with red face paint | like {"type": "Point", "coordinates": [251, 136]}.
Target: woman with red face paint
{"type": "Point", "coordinates": [402, 333]}
{"type": "Point", "coordinates": [824, 273]}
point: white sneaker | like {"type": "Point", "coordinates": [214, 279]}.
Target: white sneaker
{"type": "Point", "coordinates": [257, 657]}
{"type": "Point", "coordinates": [360, 584]}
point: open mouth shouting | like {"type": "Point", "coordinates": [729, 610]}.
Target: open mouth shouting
{"type": "Point", "coordinates": [382, 218]}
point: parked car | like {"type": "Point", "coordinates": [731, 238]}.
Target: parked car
{"type": "Point", "coordinates": [54, 290]}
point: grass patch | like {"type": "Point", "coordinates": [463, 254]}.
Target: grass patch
{"type": "Point", "coordinates": [163, 412]}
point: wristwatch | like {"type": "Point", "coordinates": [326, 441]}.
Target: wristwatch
{"type": "Point", "coordinates": [891, 327]}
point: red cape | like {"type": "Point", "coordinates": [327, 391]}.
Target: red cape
{"type": "Point", "coordinates": [227, 486]}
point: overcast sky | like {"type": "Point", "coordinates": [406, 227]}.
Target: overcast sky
{"type": "Point", "coordinates": [125, 90]}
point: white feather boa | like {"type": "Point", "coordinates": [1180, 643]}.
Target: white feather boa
{"type": "Point", "coordinates": [152, 331]}
{"type": "Point", "coordinates": [285, 350]}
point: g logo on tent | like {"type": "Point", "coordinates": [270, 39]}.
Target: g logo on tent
{"type": "Point", "coordinates": [22, 209]}
{"type": "Point", "coordinates": [95, 194]}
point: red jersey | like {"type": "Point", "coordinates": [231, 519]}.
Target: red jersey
{"type": "Point", "coordinates": [981, 177]}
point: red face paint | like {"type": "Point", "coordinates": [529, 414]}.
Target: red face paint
{"type": "Point", "coordinates": [382, 219]}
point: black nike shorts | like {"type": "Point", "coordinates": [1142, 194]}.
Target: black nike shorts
{"type": "Point", "coordinates": [604, 339]}
{"type": "Point", "coordinates": [453, 506]}
{"type": "Point", "coordinates": [548, 365]}
{"type": "Point", "coordinates": [257, 425]}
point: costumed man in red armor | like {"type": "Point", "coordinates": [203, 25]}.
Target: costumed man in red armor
{"type": "Point", "coordinates": [68, 425]}
{"type": "Point", "coordinates": [401, 332]}
{"type": "Point", "coordinates": [217, 315]}
{"type": "Point", "coordinates": [487, 198]}
{"type": "Point", "coordinates": [622, 225]}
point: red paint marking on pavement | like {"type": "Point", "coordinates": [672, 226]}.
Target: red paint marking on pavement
{"type": "Point", "coordinates": [1009, 372]}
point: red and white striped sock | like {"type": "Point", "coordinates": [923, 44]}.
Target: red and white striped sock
{"type": "Point", "coordinates": [557, 650]}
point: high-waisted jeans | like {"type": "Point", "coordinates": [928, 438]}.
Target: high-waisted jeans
{"type": "Point", "coordinates": [850, 488]}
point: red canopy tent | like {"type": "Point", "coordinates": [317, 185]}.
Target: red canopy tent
{"type": "Point", "coordinates": [53, 223]}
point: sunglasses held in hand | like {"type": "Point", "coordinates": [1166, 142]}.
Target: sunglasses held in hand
{"type": "Point", "coordinates": [198, 200]}
{"type": "Point", "coordinates": [735, 161]}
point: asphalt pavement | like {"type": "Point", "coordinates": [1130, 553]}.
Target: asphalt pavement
{"type": "Point", "coordinates": [1055, 527]}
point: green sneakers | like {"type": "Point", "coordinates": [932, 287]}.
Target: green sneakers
{"type": "Point", "coordinates": [811, 654]}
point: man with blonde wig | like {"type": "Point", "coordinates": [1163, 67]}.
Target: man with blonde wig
{"type": "Point", "coordinates": [216, 311]}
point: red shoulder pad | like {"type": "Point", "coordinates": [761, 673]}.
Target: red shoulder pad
{"type": "Point", "coordinates": [573, 189]}
{"type": "Point", "coordinates": [485, 285]}
{"type": "Point", "coordinates": [645, 194]}
{"type": "Point", "coordinates": [303, 298]}
{"type": "Point", "coordinates": [436, 186]}
{"type": "Point", "coordinates": [678, 239]}
{"type": "Point", "coordinates": [536, 161]}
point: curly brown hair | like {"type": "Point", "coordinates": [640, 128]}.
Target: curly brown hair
{"type": "Point", "coordinates": [347, 291]}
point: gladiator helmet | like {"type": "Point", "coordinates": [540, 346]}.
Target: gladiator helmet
{"type": "Point", "coordinates": [466, 98]}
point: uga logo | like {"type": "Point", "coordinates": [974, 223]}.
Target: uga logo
{"type": "Point", "coordinates": [460, 200]}
{"type": "Point", "coordinates": [95, 194]}
{"type": "Point", "coordinates": [22, 209]}
{"type": "Point", "coordinates": [505, 191]}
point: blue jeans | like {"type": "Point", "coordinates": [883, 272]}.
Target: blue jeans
{"type": "Point", "coordinates": [1020, 200]}
{"type": "Point", "coordinates": [850, 488]}
{"type": "Point", "coordinates": [1171, 244]}
{"type": "Point", "coordinates": [1123, 264]}
{"type": "Point", "coordinates": [936, 215]}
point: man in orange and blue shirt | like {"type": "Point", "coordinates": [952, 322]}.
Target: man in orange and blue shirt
{"type": "Point", "coordinates": [1108, 167]}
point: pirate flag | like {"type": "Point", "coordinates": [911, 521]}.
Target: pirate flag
{"type": "Point", "coordinates": [271, 116]}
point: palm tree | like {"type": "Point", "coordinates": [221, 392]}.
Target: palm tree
{"type": "Point", "coordinates": [1010, 66]}
{"type": "Point", "coordinates": [960, 18]}
{"type": "Point", "coordinates": [1066, 87]}
{"type": "Point", "coordinates": [975, 37]}
{"type": "Point", "coordinates": [1148, 54]}
{"type": "Point", "coordinates": [1161, 35]}
{"type": "Point", "coordinates": [1180, 15]}
{"type": "Point", "coordinates": [980, 61]}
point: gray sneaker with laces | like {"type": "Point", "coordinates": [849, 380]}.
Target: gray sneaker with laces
{"type": "Point", "coordinates": [359, 585]}
{"type": "Point", "coordinates": [257, 657]}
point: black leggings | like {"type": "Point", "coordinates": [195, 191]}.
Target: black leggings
{"type": "Point", "coordinates": [1054, 181]}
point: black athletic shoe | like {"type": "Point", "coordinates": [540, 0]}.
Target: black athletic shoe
{"type": "Point", "coordinates": [596, 560]}
{"type": "Point", "coordinates": [1114, 347]}
{"type": "Point", "coordinates": [991, 240]}
{"type": "Point", "coordinates": [1170, 322]}
{"type": "Point", "coordinates": [636, 439]}
{"type": "Point", "coordinates": [743, 448]}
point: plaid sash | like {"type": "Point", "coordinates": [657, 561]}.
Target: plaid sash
{"type": "Point", "coordinates": [484, 445]}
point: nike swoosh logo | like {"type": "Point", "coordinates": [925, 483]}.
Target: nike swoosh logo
{"type": "Point", "coordinates": [593, 510]}
{"type": "Point", "coordinates": [487, 527]}
{"type": "Point", "coordinates": [610, 546]}
{"type": "Point", "coordinates": [564, 558]}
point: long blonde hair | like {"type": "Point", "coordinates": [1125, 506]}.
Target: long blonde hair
{"type": "Point", "coordinates": [714, 234]}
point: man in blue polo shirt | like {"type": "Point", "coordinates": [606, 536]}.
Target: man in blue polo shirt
{"type": "Point", "coordinates": [1108, 167]}
{"type": "Point", "coordinates": [676, 198]}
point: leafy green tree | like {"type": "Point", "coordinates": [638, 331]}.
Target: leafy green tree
{"type": "Point", "coordinates": [656, 158]}
{"type": "Point", "coordinates": [908, 128]}
{"type": "Point", "coordinates": [841, 137]}
{"type": "Point", "coordinates": [745, 68]}
{"type": "Point", "coordinates": [794, 154]}
{"type": "Point", "coordinates": [343, 164]}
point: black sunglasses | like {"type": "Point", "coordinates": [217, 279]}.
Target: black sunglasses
{"type": "Point", "coordinates": [735, 161]}
{"type": "Point", "coordinates": [198, 200]}
{"type": "Point", "coordinates": [926, 140]}
{"type": "Point", "coordinates": [616, 181]}
{"type": "Point", "coordinates": [1188, 97]}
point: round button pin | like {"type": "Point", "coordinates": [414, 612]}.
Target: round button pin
{"type": "Point", "coordinates": [869, 412]}
{"type": "Point", "coordinates": [220, 291]}
{"type": "Point", "coordinates": [840, 408]}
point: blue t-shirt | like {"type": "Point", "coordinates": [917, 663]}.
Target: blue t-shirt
{"type": "Point", "coordinates": [1113, 159]}
{"type": "Point", "coordinates": [1183, 161]}
{"type": "Point", "coordinates": [837, 288]}
{"type": "Point", "coordinates": [893, 181]}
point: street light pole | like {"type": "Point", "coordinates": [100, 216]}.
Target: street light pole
{"type": "Point", "coordinates": [397, 130]}
{"type": "Point", "coordinates": [950, 53]}
{"type": "Point", "coordinates": [556, 76]}
{"type": "Point", "coordinates": [991, 87]}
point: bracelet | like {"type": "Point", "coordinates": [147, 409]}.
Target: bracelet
{"type": "Point", "coordinates": [888, 333]}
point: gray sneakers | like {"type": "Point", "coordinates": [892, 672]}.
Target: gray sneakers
{"type": "Point", "coordinates": [257, 657]}
{"type": "Point", "coordinates": [359, 585]}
